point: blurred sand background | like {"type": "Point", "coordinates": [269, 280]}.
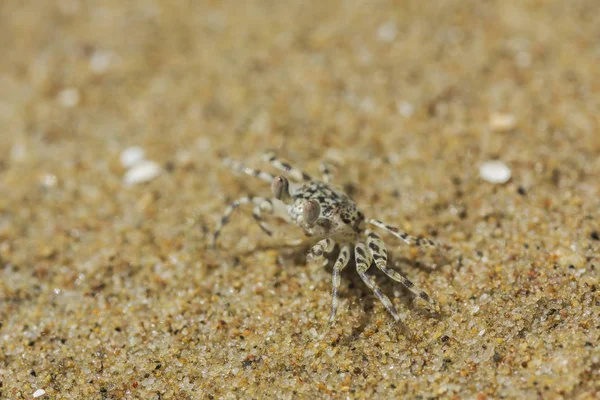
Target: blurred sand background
{"type": "Point", "coordinates": [110, 291]}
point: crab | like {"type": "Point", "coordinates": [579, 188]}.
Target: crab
{"type": "Point", "coordinates": [332, 219]}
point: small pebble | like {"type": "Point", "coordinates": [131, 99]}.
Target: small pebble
{"type": "Point", "coordinates": [49, 180]}
{"type": "Point", "coordinates": [494, 172]}
{"type": "Point", "coordinates": [500, 122]}
{"type": "Point", "coordinates": [143, 171]}
{"type": "Point", "coordinates": [39, 393]}
{"type": "Point", "coordinates": [387, 32]}
{"type": "Point", "coordinates": [100, 61]}
{"type": "Point", "coordinates": [523, 59]}
{"type": "Point", "coordinates": [132, 156]}
{"type": "Point", "coordinates": [18, 152]}
{"type": "Point", "coordinates": [368, 105]}
{"type": "Point", "coordinates": [405, 109]}
{"type": "Point", "coordinates": [69, 98]}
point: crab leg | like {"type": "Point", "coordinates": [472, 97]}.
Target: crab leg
{"type": "Point", "coordinates": [326, 172]}
{"type": "Point", "coordinates": [379, 253]}
{"type": "Point", "coordinates": [339, 265]}
{"type": "Point", "coordinates": [239, 167]}
{"type": "Point", "coordinates": [363, 261]}
{"type": "Point", "coordinates": [405, 237]}
{"type": "Point", "coordinates": [260, 204]}
{"type": "Point", "coordinates": [295, 173]}
{"type": "Point", "coordinates": [317, 252]}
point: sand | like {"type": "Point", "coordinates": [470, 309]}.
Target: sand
{"type": "Point", "coordinates": [109, 288]}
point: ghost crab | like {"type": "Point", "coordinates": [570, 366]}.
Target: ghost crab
{"type": "Point", "coordinates": [329, 215]}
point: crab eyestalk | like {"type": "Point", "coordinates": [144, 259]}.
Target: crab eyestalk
{"type": "Point", "coordinates": [281, 189]}
{"type": "Point", "coordinates": [311, 212]}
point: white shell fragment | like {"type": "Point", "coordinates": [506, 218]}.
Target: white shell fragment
{"type": "Point", "coordinates": [100, 61]}
{"type": "Point", "coordinates": [494, 172]}
{"type": "Point", "coordinates": [69, 97]}
{"type": "Point", "coordinates": [387, 32]}
{"type": "Point", "coordinates": [131, 156]}
{"type": "Point", "coordinates": [405, 109]}
{"type": "Point", "coordinates": [39, 393]}
{"type": "Point", "coordinates": [143, 171]}
{"type": "Point", "coordinates": [500, 122]}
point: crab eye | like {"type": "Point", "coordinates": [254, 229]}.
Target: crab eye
{"type": "Point", "coordinates": [311, 211]}
{"type": "Point", "coordinates": [280, 188]}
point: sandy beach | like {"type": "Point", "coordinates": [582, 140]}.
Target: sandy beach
{"type": "Point", "coordinates": [473, 123]}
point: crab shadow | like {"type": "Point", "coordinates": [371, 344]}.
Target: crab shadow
{"type": "Point", "coordinates": [355, 289]}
